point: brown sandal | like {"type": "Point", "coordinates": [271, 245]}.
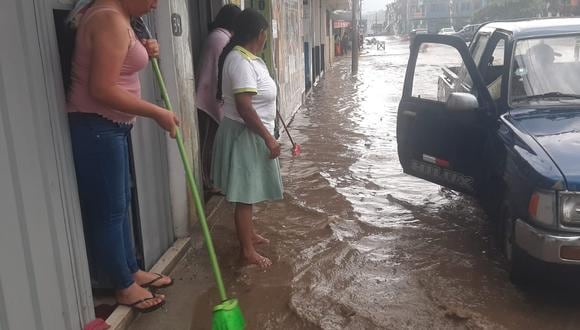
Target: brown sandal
{"type": "Point", "coordinates": [150, 283]}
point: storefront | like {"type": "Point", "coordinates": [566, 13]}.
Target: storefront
{"type": "Point", "coordinates": [341, 31]}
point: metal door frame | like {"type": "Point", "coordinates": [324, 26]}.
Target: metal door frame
{"type": "Point", "coordinates": [55, 94]}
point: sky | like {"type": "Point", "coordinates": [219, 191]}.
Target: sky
{"type": "Point", "coordinates": [374, 5]}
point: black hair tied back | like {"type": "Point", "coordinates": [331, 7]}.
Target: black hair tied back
{"type": "Point", "coordinates": [247, 27]}
{"type": "Point", "coordinates": [225, 18]}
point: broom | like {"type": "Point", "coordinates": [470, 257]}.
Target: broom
{"type": "Point", "coordinates": [227, 315]}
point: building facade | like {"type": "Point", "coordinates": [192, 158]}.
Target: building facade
{"type": "Point", "coordinates": [298, 51]}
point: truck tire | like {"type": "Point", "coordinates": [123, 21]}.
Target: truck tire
{"type": "Point", "coordinates": [492, 200]}
{"type": "Point", "coordinates": [514, 255]}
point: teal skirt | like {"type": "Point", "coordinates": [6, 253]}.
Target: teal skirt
{"type": "Point", "coordinates": [241, 166]}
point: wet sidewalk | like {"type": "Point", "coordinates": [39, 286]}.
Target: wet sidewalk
{"type": "Point", "coordinates": [192, 278]}
{"type": "Point", "coordinates": [262, 295]}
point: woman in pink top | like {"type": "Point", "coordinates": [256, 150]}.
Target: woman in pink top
{"type": "Point", "coordinates": [210, 111]}
{"type": "Point", "coordinates": [103, 102]}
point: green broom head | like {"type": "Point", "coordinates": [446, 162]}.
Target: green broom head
{"type": "Point", "coordinates": [228, 316]}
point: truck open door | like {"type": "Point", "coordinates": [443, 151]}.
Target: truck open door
{"type": "Point", "coordinates": [444, 115]}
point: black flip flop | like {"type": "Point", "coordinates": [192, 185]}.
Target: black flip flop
{"type": "Point", "coordinates": [145, 310]}
{"type": "Point", "coordinates": [151, 286]}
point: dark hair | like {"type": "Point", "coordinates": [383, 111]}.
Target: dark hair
{"type": "Point", "coordinates": [225, 18]}
{"type": "Point", "coordinates": [247, 27]}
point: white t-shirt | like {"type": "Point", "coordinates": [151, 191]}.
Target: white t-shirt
{"type": "Point", "coordinates": [244, 72]}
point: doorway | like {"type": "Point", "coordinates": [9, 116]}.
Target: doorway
{"type": "Point", "coordinates": [150, 213]}
{"type": "Point", "coordinates": [100, 284]}
{"type": "Point", "coordinates": [202, 14]}
{"type": "Point", "coordinates": [153, 225]}
{"type": "Point", "coordinates": [66, 44]}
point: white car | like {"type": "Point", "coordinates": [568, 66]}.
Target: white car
{"type": "Point", "coordinates": [447, 31]}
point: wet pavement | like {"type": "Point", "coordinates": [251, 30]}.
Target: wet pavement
{"type": "Point", "coordinates": [357, 244]}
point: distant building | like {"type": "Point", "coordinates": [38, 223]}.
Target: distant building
{"type": "Point", "coordinates": [377, 28]}
{"type": "Point", "coordinates": [562, 8]}
{"type": "Point", "coordinates": [405, 15]}
{"type": "Point", "coordinates": [374, 22]}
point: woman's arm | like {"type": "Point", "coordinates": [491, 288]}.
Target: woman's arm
{"type": "Point", "coordinates": [254, 123]}
{"type": "Point", "coordinates": [110, 41]}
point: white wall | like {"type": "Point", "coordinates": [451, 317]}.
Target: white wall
{"type": "Point", "coordinates": [289, 55]}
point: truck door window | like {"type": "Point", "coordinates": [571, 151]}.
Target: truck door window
{"type": "Point", "coordinates": [437, 73]}
{"type": "Point", "coordinates": [492, 69]}
{"type": "Point", "coordinates": [477, 51]}
{"type": "Point", "coordinates": [479, 47]}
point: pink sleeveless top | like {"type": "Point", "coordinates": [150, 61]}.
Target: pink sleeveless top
{"type": "Point", "coordinates": [79, 98]}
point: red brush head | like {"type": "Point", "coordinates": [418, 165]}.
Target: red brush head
{"type": "Point", "coordinates": [296, 150]}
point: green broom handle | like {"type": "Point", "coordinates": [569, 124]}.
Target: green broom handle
{"type": "Point", "coordinates": [193, 186]}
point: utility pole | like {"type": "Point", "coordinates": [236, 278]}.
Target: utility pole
{"type": "Point", "coordinates": [407, 17]}
{"type": "Point", "coordinates": [355, 31]}
{"type": "Point", "coordinates": [451, 13]}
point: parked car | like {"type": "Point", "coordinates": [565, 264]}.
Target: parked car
{"type": "Point", "coordinates": [504, 126]}
{"type": "Point", "coordinates": [447, 31]}
{"type": "Point", "coordinates": [467, 32]}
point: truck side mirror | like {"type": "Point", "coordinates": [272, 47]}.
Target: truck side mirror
{"type": "Point", "coordinates": [462, 102]}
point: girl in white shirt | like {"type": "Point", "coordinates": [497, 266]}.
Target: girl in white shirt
{"type": "Point", "coordinates": [245, 160]}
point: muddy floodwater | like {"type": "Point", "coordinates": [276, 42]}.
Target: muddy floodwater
{"type": "Point", "coordinates": [357, 244]}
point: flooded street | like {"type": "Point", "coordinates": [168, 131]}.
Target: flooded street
{"type": "Point", "coordinates": [357, 244]}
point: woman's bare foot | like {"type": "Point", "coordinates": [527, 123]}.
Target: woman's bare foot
{"type": "Point", "coordinates": [258, 239]}
{"type": "Point", "coordinates": [254, 258]}
{"type": "Point", "coordinates": [135, 293]}
{"type": "Point", "coordinates": [151, 280]}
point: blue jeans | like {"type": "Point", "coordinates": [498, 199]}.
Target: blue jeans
{"type": "Point", "coordinates": [101, 156]}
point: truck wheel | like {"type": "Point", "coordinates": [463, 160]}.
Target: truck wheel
{"type": "Point", "coordinates": [514, 255]}
{"type": "Point", "coordinates": [493, 203]}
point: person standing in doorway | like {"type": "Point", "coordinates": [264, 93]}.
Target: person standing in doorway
{"type": "Point", "coordinates": [209, 110]}
{"type": "Point", "coordinates": [346, 45]}
{"type": "Point", "coordinates": [245, 160]}
{"type": "Point", "coordinates": [103, 103]}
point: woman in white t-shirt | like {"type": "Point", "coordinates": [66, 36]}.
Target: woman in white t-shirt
{"type": "Point", "coordinates": [245, 159]}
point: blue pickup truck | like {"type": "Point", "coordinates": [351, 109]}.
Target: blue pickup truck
{"type": "Point", "coordinates": [500, 120]}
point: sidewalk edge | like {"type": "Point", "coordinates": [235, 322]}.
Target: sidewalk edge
{"type": "Point", "coordinates": [122, 317]}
